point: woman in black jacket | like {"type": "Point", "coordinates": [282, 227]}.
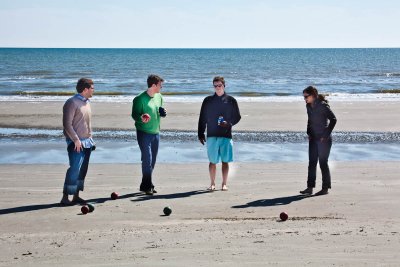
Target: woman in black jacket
{"type": "Point", "coordinates": [320, 140]}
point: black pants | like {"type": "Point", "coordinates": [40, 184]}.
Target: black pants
{"type": "Point", "coordinates": [319, 151]}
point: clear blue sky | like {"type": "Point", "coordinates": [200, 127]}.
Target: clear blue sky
{"type": "Point", "coordinates": [201, 23]}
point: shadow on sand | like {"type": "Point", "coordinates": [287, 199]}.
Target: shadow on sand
{"type": "Point", "coordinates": [55, 205]}
{"type": "Point", "coordinates": [279, 201]}
{"type": "Point", "coordinates": [171, 196]}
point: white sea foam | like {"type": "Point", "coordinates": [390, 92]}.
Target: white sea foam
{"type": "Point", "coordinates": [340, 97]}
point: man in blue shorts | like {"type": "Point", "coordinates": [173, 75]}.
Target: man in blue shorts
{"type": "Point", "coordinates": [219, 112]}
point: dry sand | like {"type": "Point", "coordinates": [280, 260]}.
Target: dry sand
{"type": "Point", "coordinates": [358, 224]}
{"type": "Point", "coordinates": [376, 116]}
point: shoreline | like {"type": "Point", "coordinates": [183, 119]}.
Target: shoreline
{"type": "Point", "coordinates": [182, 136]}
{"type": "Point", "coordinates": [23, 151]}
{"type": "Point", "coordinates": [195, 98]}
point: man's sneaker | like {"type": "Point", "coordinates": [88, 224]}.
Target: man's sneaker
{"type": "Point", "coordinates": [307, 191]}
{"type": "Point", "coordinates": [322, 192]}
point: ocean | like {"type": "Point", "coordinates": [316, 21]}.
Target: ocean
{"type": "Point", "coordinates": [253, 74]}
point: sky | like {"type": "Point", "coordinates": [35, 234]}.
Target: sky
{"type": "Point", "coordinates": [199, 24]}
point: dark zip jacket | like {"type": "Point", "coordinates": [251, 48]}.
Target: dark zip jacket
{"type": "Point", "coordinates": [214, 106]}
{"type": "Point", "coordinates": [318, 116]}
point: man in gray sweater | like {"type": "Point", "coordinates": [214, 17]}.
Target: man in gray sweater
{"type": "Point", "coordinates": [78, 133]}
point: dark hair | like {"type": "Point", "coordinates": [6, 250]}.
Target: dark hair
{"type": "Point", "coordinates": [311, 90]}
{"type": "Point", "coordinates": [82, 84]}
{"type": "Point", "coordinates": [153, 79]}
{"type": "Point", "coordinates": [219, 79]}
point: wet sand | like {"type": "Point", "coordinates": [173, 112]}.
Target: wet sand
{"type": "Point", "coordinates": [358, 224]}
{"type": "Point", "coordinates": [379, 116]}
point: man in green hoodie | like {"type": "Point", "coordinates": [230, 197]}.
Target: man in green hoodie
{"type": "Point", "coordinates": [147, 111]}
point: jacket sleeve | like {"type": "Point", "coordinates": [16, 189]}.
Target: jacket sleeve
{"type": "Point", "coordinates": [308, 128]}
{"type": "Point", "coordinates": [332, 121]}
{"type": "Point", "coordinates": [136, 110]}
{"type": "Point", "coordinates": [236, 113]}
{"type": "Point", "coordinates": [202, 120]}
{"type": "Point", "coordinates": [68, 117]}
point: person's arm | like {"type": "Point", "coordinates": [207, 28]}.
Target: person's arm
{"type": "Point", "coordinates": [136, 110]}
{"type": "Point", "coordinates": [202, 122]}
{"type": "Point", "coordinates": [236, 113]}
{"type": "Point", "coordinates": [235, 116]}
{"type": "Point", "coordinates": [68, 116]}
{"type": "Point", "coordinates": [308, 128]}
{"type": "Point", "coordinates": [332, 121]}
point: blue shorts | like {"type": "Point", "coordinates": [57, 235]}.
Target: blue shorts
{"type": "Point", "coordinates": [219, 149]}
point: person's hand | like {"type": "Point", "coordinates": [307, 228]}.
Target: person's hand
{"type": "Point", "coordinates": [78, 145]}
{"type": "Point", "coordinates": [225, 124]}
{"type": "Point", "coordinates": [322, 139]}
{"type": "Point", "coordinates": [202, 140]}
{"type": "Point", "coordinates": [162, 111]}
{"type": "Point", "coordinates": [146, 118]}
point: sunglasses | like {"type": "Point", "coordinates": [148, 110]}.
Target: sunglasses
{"type": "Point", "coordinates": [218, 85]}
{"type": "Point", "coordinates": [306, 96]}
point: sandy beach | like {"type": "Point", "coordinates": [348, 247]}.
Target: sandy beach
{"type": "Point", "coordinates": [272, 57]}
{"type": "Point", "coordinates": [358, 224]}
{"type": "Point", "coordinates": [371, 116]}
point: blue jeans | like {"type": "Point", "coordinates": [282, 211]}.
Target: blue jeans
{"type": "Point", "coordinates": [76, 173]}
{"type": "Point", "coordinates": [319, 151]}
{"type": "Point", "coordinates": [148, 144]}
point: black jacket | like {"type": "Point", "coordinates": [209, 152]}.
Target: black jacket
{"type": "Point", "coordinates": [318, 116]}
{"type": "Point", "coordinates": [214, 106]}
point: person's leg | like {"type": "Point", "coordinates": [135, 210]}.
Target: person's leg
{"type": "Point", "coordinates": [226, 151]}
{"type": "Point", "coordinates": [154, 151]}
{"type": "Point", "coordinates": [144, 141]}
{"type": "Point", "coordinates": [225, 172]}
{"type": "Point", "coordinates": [212, 168]}
{"type": "Point", "coordinates": [71, 177]}
{"type": "Point", "coordinates": [82, 174]}
{"type": "Point", "coordinates": [213, 157]}
{"type": "Point", "coordinates": [312, 166]}
{"type": "Point", "coordinates": [324, 149]}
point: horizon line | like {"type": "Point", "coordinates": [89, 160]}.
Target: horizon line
{"type": "Point", "coordinates": [39, 47]}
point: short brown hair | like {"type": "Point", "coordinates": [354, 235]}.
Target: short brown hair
{"type": "Point", "coordinates": [82, 84]}
{"type": "Point", "coordinates": [153, 79]}
{"type": "Point", "coordinates": [219, 79]}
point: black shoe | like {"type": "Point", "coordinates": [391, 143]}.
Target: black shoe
{"type": "Point", "coordinates": [154, 191]}
{"type": "Point", "coordinates": [307, 191]}
{"type": "Point", "coordinates": [149, 193]}
{"type": "Point", "coordinates": [322, 192]}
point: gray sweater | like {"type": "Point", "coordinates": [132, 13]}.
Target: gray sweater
{"type": "Point", "coordinates": [76, 119]}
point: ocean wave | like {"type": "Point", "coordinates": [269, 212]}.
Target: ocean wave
{"type": "Point", "coordinates": [188, 136]}
{"type": "Point", "coordinates": [384, 74]}
{"type": "Point", "coordinates": [60, 93]}
{"type": "Point", "coordinates": [37, 73]}
{"type": "Point", "coordinates": [388, 91]}
{"type": "Point", "coordinates": [394, 74]}
{"type": "Point", "coordinates": [124, 97]}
